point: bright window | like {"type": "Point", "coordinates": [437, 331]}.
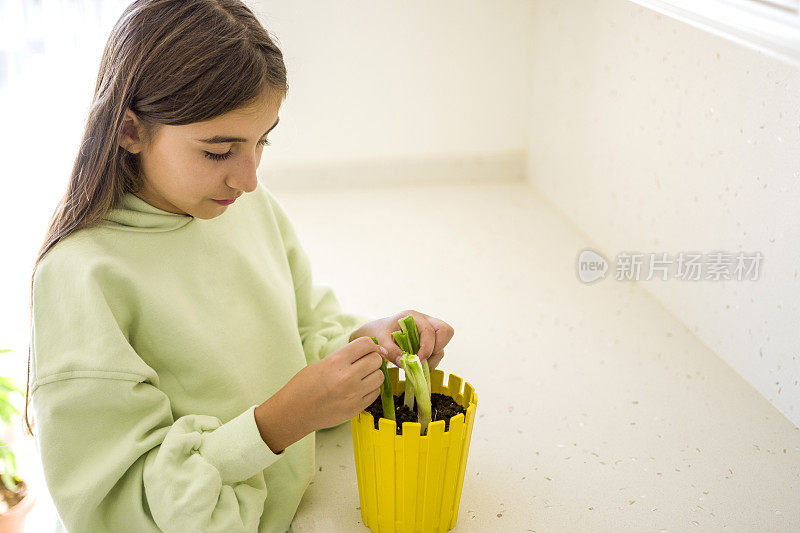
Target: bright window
{"type": "Point", "coordinates": [49, 56]}
{"type": "Point", "coordinates": [771, 26]}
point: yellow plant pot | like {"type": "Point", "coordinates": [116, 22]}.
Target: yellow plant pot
{"type": "Point", "coordinates": [411, 483]}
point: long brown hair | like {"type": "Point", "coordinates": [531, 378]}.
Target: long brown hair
{"type": "Point", "coordinates": [172, 62]}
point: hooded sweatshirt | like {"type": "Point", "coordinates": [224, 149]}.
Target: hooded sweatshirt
{"type": "Point", "coordinates": [155, 335]}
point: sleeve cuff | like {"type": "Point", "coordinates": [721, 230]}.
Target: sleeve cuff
{"type": "Point", "coordinates": [237, 450]}
{"type": "Point", "coordinates": [360, 320]}
{"type": "Point", "coordinates": [334, 343]}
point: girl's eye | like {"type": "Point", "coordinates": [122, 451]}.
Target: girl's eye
{"type": "Point", "coordinates": [218, 157]}
{"type": "Point", "coordinates": [226, 155]}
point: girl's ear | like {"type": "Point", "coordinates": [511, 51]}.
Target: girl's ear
{"type": "Point", "coordinates": [129, 137]}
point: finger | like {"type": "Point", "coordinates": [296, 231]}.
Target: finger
{"type": "Point", "coordinates": [435, 359]}
{"type": "Point", "coordinates": [388, 342]}
{"type": "Point", "coordinates": [372, 380]}
{"type": "Point", "coordinates": [382, 349]}
{"type": "Point", "coordinates": [443, 334]}
{"type": "Point", "coordinates": [369, 398]}
{"type": "Point", "coordinates": [361, 347]}
{"type": "Point", "coordinates": [427, 336]}
{"type": "Point", "coordinates": [367, 365]}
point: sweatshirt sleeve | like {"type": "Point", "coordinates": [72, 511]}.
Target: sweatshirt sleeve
{"type": "Point", "coordinates": [323, 326]}
{"type": "Point", "coordinates": [113, 456]}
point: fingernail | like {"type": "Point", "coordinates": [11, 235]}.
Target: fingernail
{"type": "Point", "coordinates": [383, 350]}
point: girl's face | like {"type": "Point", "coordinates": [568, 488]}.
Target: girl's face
{"type": "Point", "coordinates": [186, 168]}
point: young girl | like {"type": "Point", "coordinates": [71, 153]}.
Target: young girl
{"type": "Point", "coordinates": [182, 356]}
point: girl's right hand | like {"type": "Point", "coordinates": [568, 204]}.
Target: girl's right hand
{"type": "Point", "coordinates": [340, 385]}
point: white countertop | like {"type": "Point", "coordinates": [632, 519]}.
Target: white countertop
{"type": "Point", "coordinates": [597, 409]}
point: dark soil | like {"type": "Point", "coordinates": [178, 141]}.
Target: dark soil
{"type": "Point", "coordinates": [443, 407]}
{"type": "Point", "coordinates": [13, 498]}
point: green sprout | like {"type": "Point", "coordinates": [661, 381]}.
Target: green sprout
{"type": "Point", "coordinates": [409, 327]}
{"type": "Point", "coordinates": [416, 377]}
{"type": "Point", "coordinates": [8, 464]}
{"type": "Point", "coordinates": [401, 338]}
{"type": "Point", "coordinates": [387, 399]}
{"type": "Point", "coordinates": [418, 381]}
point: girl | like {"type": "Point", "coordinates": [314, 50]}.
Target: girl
{"type": "Point", "coordinates": [182, 356]}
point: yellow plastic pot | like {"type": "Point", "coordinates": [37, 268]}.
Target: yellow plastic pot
{"type": "Point", "coordinates": [411, 483]}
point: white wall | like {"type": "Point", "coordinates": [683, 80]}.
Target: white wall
{"type": "Point", "coordinates": [386, 92]}
{"type": "Point", "coordinates": [650, 134]}
{"type": "Point", "coordinates": [655, 136]}
{"type": "Point", "coordinates": [380, 92]}
{"type": "Point", "coordinates": [411, 78]}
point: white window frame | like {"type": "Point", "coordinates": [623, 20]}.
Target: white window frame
{"type": "Point", "coordinates": [773, 27]}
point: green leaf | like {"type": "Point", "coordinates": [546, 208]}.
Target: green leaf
{"type": "Point", "coordinates": [8, 384]}
{"type": "Point", "coordinates": [409, 327]}
{"type": "Point", "coordinates": [8, 481]}
{"type": "Point", "coordinates": [416, 378]}
{"type": "Point", "coordinates": [401, 338]}
{"type": "Point", "coordinates": [387, 398]}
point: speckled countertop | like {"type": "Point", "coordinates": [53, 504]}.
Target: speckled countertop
{"type": "Point", "coordinates": [597, 409]}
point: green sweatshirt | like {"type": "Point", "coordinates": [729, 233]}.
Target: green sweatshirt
{"type": "Point", "coordinates": [155, 335]}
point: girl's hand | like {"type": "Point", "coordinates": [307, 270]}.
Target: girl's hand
{"type": "Point", "coordinates": [434, 334]}
{"type": "Point", "coordinates": [338, 386]}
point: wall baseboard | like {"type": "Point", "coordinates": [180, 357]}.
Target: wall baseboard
{"type": "Point", "coordinates": [412, 170]}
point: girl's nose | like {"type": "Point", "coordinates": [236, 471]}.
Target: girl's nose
{"type": "Point", "coordinates": [244, 177]}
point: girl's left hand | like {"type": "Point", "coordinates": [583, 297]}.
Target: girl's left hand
{"type": "Point", "coordinates": [434, 334]}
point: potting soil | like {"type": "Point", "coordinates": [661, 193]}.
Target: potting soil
{"type": "Point", "coordinates": [443, 407]}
